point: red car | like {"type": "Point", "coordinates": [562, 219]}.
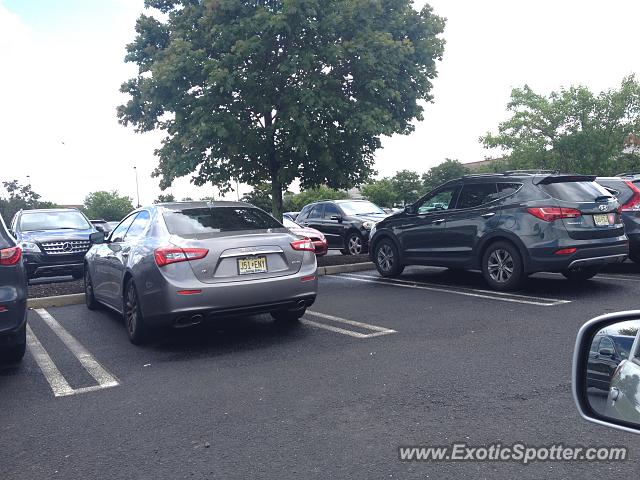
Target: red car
{"type": "Point", "coordinates": [316, 236]}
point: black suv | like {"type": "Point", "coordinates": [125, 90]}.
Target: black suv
{"type": "Point", "coordinates": [13, 298]}
{"type": "Point", "coordinates": [53, 241]}
{"type": "Point", "coordinates": [626, 188]}
{"type": "Point", "coordinates": [508, 226]}
{"type": "Point", "coordinates": [345, 223]}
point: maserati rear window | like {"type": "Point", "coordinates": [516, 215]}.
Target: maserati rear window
{"type": "Point", "coordinates": [193, 221]}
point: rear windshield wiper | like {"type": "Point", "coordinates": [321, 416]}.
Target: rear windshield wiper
{"type": "Point", "coordinates": [603, 197]}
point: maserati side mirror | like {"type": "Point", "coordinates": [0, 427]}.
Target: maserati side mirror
{"type": "Point", "coordinates": [606, 388]}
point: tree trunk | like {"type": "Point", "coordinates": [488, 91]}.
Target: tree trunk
{"type": "Point", "coordinates": [276, 197]}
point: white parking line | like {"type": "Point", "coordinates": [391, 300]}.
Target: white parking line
{"type": "Point", "coordinates": [378, 331]}
{"type": "Point", "coordinates": [469, 292]}
{"type": "Point", "coordinates": [56, 380]}
{"type": "Point", "coordinates": [605, 276]}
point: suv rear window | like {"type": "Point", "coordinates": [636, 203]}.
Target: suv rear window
{"type": "Point", "coordinates": [575, 191]}
{"type": "Point", "coordinates": [193, 221]}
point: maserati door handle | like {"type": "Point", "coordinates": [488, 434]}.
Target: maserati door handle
{"type": "Point", "coordinates": [488, 215]}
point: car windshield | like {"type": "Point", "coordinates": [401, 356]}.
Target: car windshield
{"type": "Point", "coordinates": [360, 208]}
{"type": "Point", "coordinates": [35, 221]}
{"type": "Point", "coordinates": [623, 345]}
{"type": "Point", "coordinates": [195, 221]}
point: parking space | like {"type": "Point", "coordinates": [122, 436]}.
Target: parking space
{"type": "Point", "coordinates": [431, 357]}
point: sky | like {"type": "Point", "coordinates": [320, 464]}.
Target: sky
{"type": "Point", "coordinates": [61, 65]}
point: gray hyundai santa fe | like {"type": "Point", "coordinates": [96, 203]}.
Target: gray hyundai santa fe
{"type": "Point", "coordinates": [508, 226]}
{"type": "Point", "coordinates": [180, 263]}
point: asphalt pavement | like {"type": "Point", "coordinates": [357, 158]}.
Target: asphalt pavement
{"type": "Point", "coordinates": [429, 359]}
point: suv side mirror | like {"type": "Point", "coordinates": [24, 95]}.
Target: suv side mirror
{"type": "Point", "coordinates": [410, 209]}
{"type": "Point", "coordinates": [97, 238]}
{"type": "Point", "coordinates": [610, 398]}
{"type": "Point", "coordinates": [336, 217]}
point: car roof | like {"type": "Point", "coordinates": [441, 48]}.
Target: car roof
{"type": "Point", "coordinates": [49, 210]}
{"type": "Point", "coordinates": [200, 204]}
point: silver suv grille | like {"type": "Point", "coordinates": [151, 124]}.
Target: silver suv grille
{"type": "Point", "coordinates": [66, 247]}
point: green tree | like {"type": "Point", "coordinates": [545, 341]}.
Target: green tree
{"type": "Point", "coordinates": [274, 90]}
{"type": "Point", "coordinates": [19, 197]}
{"type": "Point", "coordinates": [109, 206]}
{"type": "Point", "coordinates": [407, 186]}
{"type": "Point", "coordinates": [381, 192]}
{"type": "Point", "coordinates": [572, 130]}
{"type": "Point", "coordinates": [260, 196]}
{"type": "Point", "coordinates": [447, 170]}
{"type": "Point", "coordinates": [165, 198]}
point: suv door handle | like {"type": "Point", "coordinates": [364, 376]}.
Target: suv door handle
{"type": "Point", "coordinates": [440, 220]}
{"type": "Point", "coordinates": [488, 215]}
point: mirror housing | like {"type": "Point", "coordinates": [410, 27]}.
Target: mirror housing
{"type": "Point", "coordinates": [610, 398]}
{"type": "Point", "coordinates": [336, 217]}
{"type": "Point", "coordinates": [410, 209]}
{"type": "Point", "coordinates": [97, 238]}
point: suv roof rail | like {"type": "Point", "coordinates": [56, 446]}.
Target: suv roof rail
{"type": "Point", "coordinates": [470, 175]}
{"type": "Point", "coordinates": [628, 174]}
{"type": "Point", "coordinates": [531, 172]}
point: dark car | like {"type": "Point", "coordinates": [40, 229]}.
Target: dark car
{"type": "Point", "coordinates": [508, 226]}
{"type": "Point", "coordinates": [53, 241]}
{"type": "Point", "coordinates": [626, 187]}
{"type": "Point", "coordinates": [178, 264]}
{"type": "Point", "coordinates": [606, 353]}
{"type": "Point", "coordinates": [13, 298]}
{"type": "Point", "coordinates": [345, 223]}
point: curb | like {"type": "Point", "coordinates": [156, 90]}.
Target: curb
{"type": "Point", "coordinates": [350, 267]}
{"type": "Point", "coordinates": [78, 298]}
{"type": "Point", "coordinates": [57, 301]}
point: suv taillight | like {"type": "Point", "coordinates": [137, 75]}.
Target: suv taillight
{"type": "Point", "coordinates": [166, 255]}
{"type": "Point", "coordinates": [10, 256]}
{"type": "Point", "coordinates": [633, 205]}
{"type": "Point", "coordinates": [551, 214]}
{"type": "Point", "coordinates": [305, 245]}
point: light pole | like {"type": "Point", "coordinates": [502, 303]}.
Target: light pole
{"type": "Point", "coordinates": [137, 189]}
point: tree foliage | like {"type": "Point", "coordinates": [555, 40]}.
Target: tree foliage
{"type": "Point", "coordinates": [19, 197]}
{"type": "Point", "coordinates": [447, 170]}
{"type": "Point", "coordinates": [381, 192]}
{"type": "Point", "coordinates": [297, 201]}
{"type": "Point", "coordinates": [165, 198]}
{"type": "Point", "coordinates": [572, 130]}
{"type": "Point", "coordinates": [109, 206]}
{"type": "Point", "coordinates": [260, 196]}
{"type": "Point", "coordinates": [274, 90]}
{"type": "Point", "coordinates": [407, 185]}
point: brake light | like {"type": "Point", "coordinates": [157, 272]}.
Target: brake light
{"type": "Point", "coordinates": [166, 255]}
{"type": "Point", "coordinates": [303, 245]}
{"type": "Point", "coordinates": [10, 256]}
{"type": "Point", "coordinates": [566, 251]}
{"type": "Point", "coordinates": [633, 205]}
{"type": "Point", "coordinates": [551, 214]}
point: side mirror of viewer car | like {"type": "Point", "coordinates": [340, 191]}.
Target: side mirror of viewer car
{"type": "Point", "coordinates": [606, 388]}
{"type": "Point", "coordinates": [97, 238]}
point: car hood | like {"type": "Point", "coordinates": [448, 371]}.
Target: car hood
{"type": "Point", "coordinates": [375, 217]}
{"type": "Point", "coordinates": [55, 235]}
{"type": "Point", "coordinates": [307, 232]}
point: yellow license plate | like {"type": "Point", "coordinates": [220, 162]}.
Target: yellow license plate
{"type": "Point", "coordinates": [601, 219]}
{"type": "Point", "coordinates": [248, 265]}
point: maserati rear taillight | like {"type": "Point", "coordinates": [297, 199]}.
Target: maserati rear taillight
{"type": "Point", "coordinates": [551, 214]}
{"type": "Point", "coordinates": [166, 255]}
{"type": "Point", "coordinates": [10, 256]}
{"type": "Point", "coordinates": [303, 245]}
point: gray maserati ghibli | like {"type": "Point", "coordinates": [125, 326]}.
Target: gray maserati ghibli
{"type": "Point", "coordinates": [179, 264]}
